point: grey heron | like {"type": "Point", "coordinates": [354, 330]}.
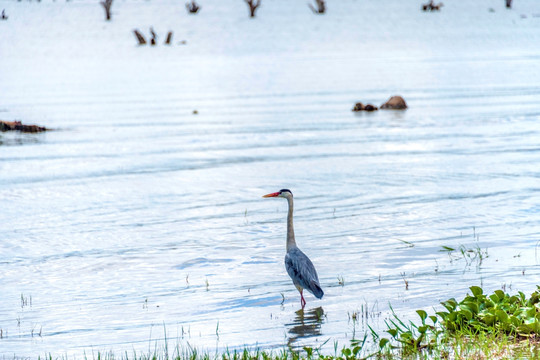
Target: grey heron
{"type": "Point", "coordinates": [298, 265]}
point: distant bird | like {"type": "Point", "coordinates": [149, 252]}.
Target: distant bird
{"type": "Point", "coordinates": [298, 265]}
{"type": "Point", "coordinates": [154, 36]}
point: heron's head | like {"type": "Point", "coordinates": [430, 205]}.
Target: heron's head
{"type": "Point", "coordinates": [284, 193]}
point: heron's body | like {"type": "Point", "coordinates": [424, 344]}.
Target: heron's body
{"type": "Point", "coordinates": [298, 265]}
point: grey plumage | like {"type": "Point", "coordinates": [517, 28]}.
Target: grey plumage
{"type": "Point", "coordinates": [298, 265]}
{"type": "Point", "coordinates": [302, 272]}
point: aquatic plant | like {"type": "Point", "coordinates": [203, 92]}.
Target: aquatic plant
{"type": "Point", "coordinates": [405, 281]}
{"type": "Point", "coordinates": [470, 254]}
{"type": "Point", "coordinates": [514, 314]}
{"type": "Point", "coordinates": [467, 326]}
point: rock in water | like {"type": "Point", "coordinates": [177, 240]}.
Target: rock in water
{"type": "Point", "coordinates": [395, 102]}
{"type": "Point", "coordinates": [17, 125]}
{"type": "Point", "coordinates": [370, 107]}
{"type": "Point", "coordinates": [358, 107]}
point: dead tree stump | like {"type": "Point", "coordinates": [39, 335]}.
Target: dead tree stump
{"type": "Point", "coordinates": [431, 6]}
{"type": "Point", "coordinates": [193, 7]}
{"type": "Point", "coordinates": [107, 6]}
{"type": "Point", "coordinates": [140, 37]}
{"type": "Point", "coordinates": [509, 4]}
{"type": "Point", "coordinates": [153, 39]}
{"type": "Point", "coordinates": [4, 16]}
{"type": "Point", "coordinates": [253, 5]}
{"type": "Point", "coordinates": [168, 41]}
{"type": "Point", "coordinates": [321, 7]}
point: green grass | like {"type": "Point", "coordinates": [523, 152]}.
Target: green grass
{"type": "Point", "coordinates": [462, 345]}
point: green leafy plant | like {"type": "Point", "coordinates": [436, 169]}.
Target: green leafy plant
{"type": "Point", "coordinates": [496, 312]}
{"type": "Point", "coordinates": [470, 254]}
{"type": "Point", "coordinates": [411, 337]}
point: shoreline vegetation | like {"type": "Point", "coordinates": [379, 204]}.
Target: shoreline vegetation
{"type": "Point", "coordinates": [494, 326]}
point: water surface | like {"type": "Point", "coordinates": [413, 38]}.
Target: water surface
{"type": "Point", "coordinates": [137, 220]}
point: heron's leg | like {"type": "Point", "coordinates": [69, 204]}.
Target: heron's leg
{"type": "Point", "coordinates": [302, 300]}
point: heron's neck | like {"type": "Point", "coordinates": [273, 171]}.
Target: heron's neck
{"type": "Point", "coordinates": [291, 243]}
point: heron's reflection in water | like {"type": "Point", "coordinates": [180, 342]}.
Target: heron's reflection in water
{"type": "Point", "coordinates": [306, 324]}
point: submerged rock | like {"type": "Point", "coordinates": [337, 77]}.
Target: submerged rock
{"type": "Point", "coordinates": [370, 107]}
{"type": "Point", "coordinates": [358, 107]}
{"type": "Point", "coordinates": [395, 102]}
{"type": "Point", "coordinates": [18, 126]}
{"type": "Point", "coordinates": [361, 107]}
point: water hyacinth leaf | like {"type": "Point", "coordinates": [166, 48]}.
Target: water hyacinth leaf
{"type": "Point", "coordinates": [534, 298]}
{"type": "Point", "coordinates": [533, 324]}
{"type": "Point", "coordinates": [477, 291]}
{"type": "Point", "coordinates": [494, 298]}
{"type": "Point", "coordinates": [383, 342]}
{"type": "Point", "coordinates": [502, 316]}
{"type": "Point", "coordinates": [406, 337]}
{"type": "Point", "coordinates": [472, 306]}
{"type": "Point", "coordinates": [524, 329]}
{"type": "Point", "coordinates": [433, 319]}
{"type": "Point", "coordinates": [489, 319]}
{"type": "Point", "coordinates": [442, 314]}
{"type": "Point", "coordinates": [392, 332]}
{"type": "Point", "coordinates": [451, 317]}
{"type": "Point", "coordinates": [530, 312]}
{"type": "Point", "coordinates": [422, 329]}
{"type": "Point", "coordinates": [466, 313]}
{"type": "Point", "coordinates": [500, 294]}
{"type": "Point", "coordinates": [450, 304]}
{"type": "Point", "coordinates": [515, 321]}
{"type": "Point", "coordinates": [422, 314]}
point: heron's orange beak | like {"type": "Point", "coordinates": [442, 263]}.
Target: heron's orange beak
{"type": "Point", "coordinates": [272, 194]}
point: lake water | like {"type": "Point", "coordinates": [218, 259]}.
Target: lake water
{"type": "Point", "coordinates": [136, 220]}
